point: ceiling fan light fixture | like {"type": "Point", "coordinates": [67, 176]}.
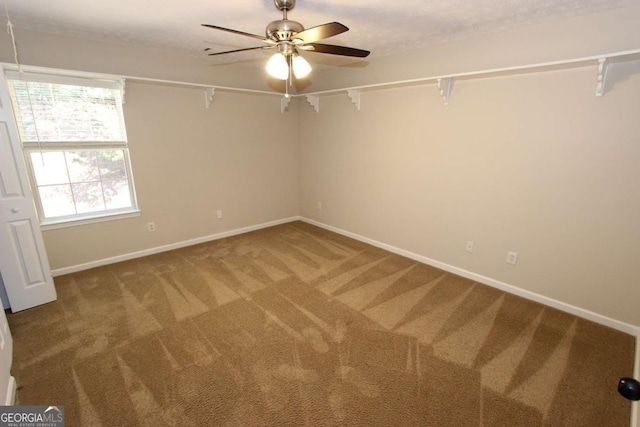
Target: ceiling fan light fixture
{"type": "Point", "coordinates": [287, 37]}
{"type": "Point", "coordinates": [277, 67]}
{"type": "Point", "coordinates": [301, 67]}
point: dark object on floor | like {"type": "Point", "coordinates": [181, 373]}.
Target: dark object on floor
{"type": "Point", "coordinates": [629, 388]}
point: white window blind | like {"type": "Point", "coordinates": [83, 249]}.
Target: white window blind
{"type": "Point", "coordinates": [75, 143]}
{"type": "Point", "coordinates": [64, 109]}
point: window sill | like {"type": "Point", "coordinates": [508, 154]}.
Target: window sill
{"type": "Point", "coordinates": [55, 224]}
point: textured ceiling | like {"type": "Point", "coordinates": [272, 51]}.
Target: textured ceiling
{"type": "Point", "coordinates": [383, 27]}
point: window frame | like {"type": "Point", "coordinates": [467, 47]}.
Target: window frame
{"type": "Point", "coordinates": [41, 147]}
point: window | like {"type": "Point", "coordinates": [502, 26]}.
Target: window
{"type": "Point", "coordinates": [75, 144]}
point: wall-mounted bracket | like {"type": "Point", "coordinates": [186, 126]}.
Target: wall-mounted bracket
{"type": "Point", "coordinates": [445, 86]}
{"type": "Point", "coordinates": [284, 102]}
{"type": "Point", "coordinates": [208, 96]}
{"type": "Point", "coordinates": [314, 100]}
{"type": "Point", "coordinates": [123, 90]}
{"type": "Point", "coordinates": [603, 65]}
{"type": "Point", "coordinates": [355, 97]}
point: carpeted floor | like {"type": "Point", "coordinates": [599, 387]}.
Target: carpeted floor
{"type": "Point", "coordinates": [294, 325]}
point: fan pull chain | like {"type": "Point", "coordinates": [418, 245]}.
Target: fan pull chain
{"type": "Point", "coordinates": [289, 81]}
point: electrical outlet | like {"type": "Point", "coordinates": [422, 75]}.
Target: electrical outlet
{"type": "Point", "coordinates": [512, 257]}
{"type": "Point", "coordinates": [219, 213]}
{"type": "Point", "coordinates": [151, 227]}
{"type": "Point", "coordinates": [469, 247]}
{"type": "Point", "coordinates": [319, 206]}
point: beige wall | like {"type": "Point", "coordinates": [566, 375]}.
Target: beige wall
{"type": "Point", "coordinates": [239, 156]}
{"type": "Point", "coordinates": [532, 163]}
{"type": "Point", "coordinates": [587, 35]}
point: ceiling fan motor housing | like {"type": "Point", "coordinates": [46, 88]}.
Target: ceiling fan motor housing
{"type": "Point", "coordinates": [284, 4]}
{"type": "Point", "coordinates": [283, 29]}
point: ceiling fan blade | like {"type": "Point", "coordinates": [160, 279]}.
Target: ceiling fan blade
{"type": "Point", "coordinates": [337, 50]}
{"type": "Point", "coordinates": [320, 32]}
{"type": "Point", "coordinates": [242, 33]}
{"type": "Point", "coordinates": [238, 50]}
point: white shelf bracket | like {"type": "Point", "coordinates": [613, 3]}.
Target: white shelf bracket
{"type": "Point", "coordinates": [314, 100]}
{"type": "Point", "coordinates": [208, 96]}
{"type": "Point", "coordinates": [445, 86]}
{"type": "Point", "coordinates": [355, 97]}
{"type": "Point", "coordinates": [284, 102]}
{"type": "Point", "coordinates": [123, 91]}
{"type": "Point", "coordinates": [603, 65]}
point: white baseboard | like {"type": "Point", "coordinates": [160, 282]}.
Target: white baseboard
{"type": "Point", "coordinates": [586, 314]}
{"type": "Point", "coordinates": [581, 312]}
{"type": "Point", "coordinates": [170, 247]}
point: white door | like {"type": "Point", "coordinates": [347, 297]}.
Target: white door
{"type": "Point", "coordinates": [7, 382]}
{"type": "Point", "coordinates": [23, 260]}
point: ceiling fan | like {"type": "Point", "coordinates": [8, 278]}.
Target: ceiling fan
{"type": "Point", "coordinates": [289, 37]}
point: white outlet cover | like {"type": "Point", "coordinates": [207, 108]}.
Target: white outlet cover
{"type": "Point", "coordinates": [512, 257]}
